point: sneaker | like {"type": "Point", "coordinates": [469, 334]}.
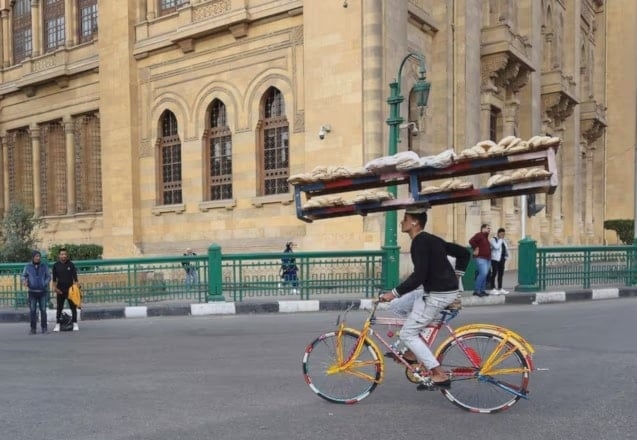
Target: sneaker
{"type": "Point", "coordinates": [45, 331]}
{"type": "Point", "coordinates": [503, 292]}
{"type": "Point", "coordinates": [494, 292]}
{"type": "Point", "coordinates": [76, 328]}
{"type": "Point", "coordinates": [57, 328]}
{"type": "Point", "coordinates": [32, 331]}
{"type": "Point", "coordinates": [483, 293]}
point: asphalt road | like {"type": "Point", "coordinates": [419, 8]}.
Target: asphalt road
{"type": "Point", "coordinates": [239, 377]}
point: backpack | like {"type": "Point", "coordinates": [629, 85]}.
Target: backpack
{"type": "Point", "coordinates": [66, 322]}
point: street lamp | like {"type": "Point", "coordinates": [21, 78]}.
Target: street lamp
{"type": "Point", "coordinates": [421, 88]}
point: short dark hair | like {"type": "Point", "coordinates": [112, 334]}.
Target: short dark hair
{"type": "Point", "coordinates": [420, 218]}
{"type": "Point", "coordinates": [63, 249]}
{"type": "Point", "coordinates": [485, 225]}
{"type": "Point", "coordinates": [501, 230]}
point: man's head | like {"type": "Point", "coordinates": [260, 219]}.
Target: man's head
{"type": "Point", "coordinates": [188, 251]}
{"type": "Point", "coordinates": [414, 219]}
{"type": "Point", "coordinates": [36, 256]}
{"type": "Point", "coordinates": [485, 228]}
{"type": "Point", "coordinates": [289, 245]}
{"type": "Point", "coordinates": [501, 233]}
{"type": "Point", "coordinates": [63, 255]}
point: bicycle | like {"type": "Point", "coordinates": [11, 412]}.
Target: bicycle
{"type": "Point", "coordinates": [489, 365]}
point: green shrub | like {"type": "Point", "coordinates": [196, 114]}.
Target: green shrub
{"type": "Point", "coordinates": [17, 234]}
{"type": "Point", "coordinates": [77, 251]}
{"type": "Point", "coordinates": [625, 229]}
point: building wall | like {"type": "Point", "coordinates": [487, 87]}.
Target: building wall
{"type": "Point", "coordinates": [333, 65]}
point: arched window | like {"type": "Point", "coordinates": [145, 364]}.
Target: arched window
{"type": "Point", "coordinates": [53, 168]}
{"type": "Point", "coordinates": [21, 30]}
{"type": "Point", "coordinates": [169, 152]}
{"type": "Point", "coordinates": [53, 19]}
{"type": "Point", "coordinates": [88, 164]}
{"type": "Point", "coordinates": [20, 158]}
{"type": "Point", "coordinates": [218, 145]}
{"type": "Point", "coordinates": [274, 148]}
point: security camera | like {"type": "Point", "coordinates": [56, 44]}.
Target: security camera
{"type": "Point", "coordinates": [326, 128]}
{"type": "Point", "coordinates": [412, 127]}
{"type": "Point", "coordinates": [345, 3]}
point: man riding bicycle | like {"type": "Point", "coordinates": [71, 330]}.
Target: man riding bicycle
{"type": "Point", "coordinates": [432, 271]}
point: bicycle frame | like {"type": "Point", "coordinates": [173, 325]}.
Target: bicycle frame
{"type": "Point", "coordinates": [484, 372]}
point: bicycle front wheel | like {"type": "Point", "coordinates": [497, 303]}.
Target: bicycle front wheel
{"type": "Point", "coordinates": [475, 389]}
{"type": "Point", "coordinates": [333, 373]}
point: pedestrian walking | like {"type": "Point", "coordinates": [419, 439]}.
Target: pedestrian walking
{"type": "Point", "coordinates": [499, 255]}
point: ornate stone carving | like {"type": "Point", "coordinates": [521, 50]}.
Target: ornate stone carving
{"type": "Point", "coordinates": [592, 121]}
{"type": "Point", "coordinates": [212, 9]}
{"type": "Point", "coordinates": [43, 63]}
{"type": "Point", "coordinates": [299, 122]}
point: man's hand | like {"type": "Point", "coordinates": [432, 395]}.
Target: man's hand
{"type": "Point", "coordinates": [58, 291]}
{"type": "Point", "coordinates": [386, 297]}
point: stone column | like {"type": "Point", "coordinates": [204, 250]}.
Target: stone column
{"type": "Point", "coordinates": [151, 11]}
{"type": "Point", "coordinates": [6, 39]}
{"type": "Point", "coordinates": [5, 172]}
{"type": "Point", "coordinates": [37, 184]}
{"type": "Point", "coordinates": [70, 23]}
{"type": "Point", "coordinates": [588, 216]}
{"type": "Point", "coordinates": [70, 165]}
{"type": "Point", "coordinates": [509, 128]}
{"type": "Point", "coordinates": [36, 28]}
{"type": "Point", "coordinates": [556, 201]}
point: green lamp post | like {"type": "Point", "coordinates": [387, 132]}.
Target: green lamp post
{"type": "Point", "coordinates": [422, 86]}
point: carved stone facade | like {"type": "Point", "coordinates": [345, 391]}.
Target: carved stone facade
{"type": "Point", "coordinates": [496, 67]}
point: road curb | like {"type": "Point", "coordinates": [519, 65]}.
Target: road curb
{"type": "Point", "coordinates": [327, 305]}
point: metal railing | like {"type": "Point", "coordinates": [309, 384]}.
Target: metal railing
{"type": "Point", "coordinates": [586, 266]}
{"type": "Point", "coordinates": [232, 277]}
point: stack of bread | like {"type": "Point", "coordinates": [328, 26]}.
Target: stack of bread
{"type": "Point", "coordinates": [373, 196]}
{"type": "Point", "coordinates": [518, 176]}
{"type": "Point", "coordinates": [327, 173]}
{"type": "Point", "coordinates": [324, 202]}
{"type": "Point", "coordinates": [447, 186]}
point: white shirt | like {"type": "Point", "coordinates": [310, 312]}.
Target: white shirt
{"type": "Point", "coordinates": [497, 244]}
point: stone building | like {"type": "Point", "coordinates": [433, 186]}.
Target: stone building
{"type": "Point", "coordinates": [149, 126]}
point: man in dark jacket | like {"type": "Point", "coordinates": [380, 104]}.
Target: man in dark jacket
{"type": "Point", "coordinates": [482, 254]}
{"type": "Point", "coordinates": [36, 278]}
{"type": "Point", "coordinates": [432, 271]}
{"type": "Point", "coordinates": [64, 275]}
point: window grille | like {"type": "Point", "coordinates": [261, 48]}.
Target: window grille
{"type": "Point", "coordinates": [20, 158]}
{"type": "Point", "coordinates": [169, 6]}
{"type": "Point", "coordinates": [218, 139]}
{"type": "Point", "coordinates": [53, 169]}
{"type": "Point", "coordinates": [170, 160]}
{"type": "Point", "coordinates": [22, 36]}
{"type": "Point", "coordinates": [87, 19]}
{"type": "Point", "coordinates": [275, 148]}
{"type": "Point", "coordinates": [53, 14]}
{"type": "Point", "coordinates": [88, 165]}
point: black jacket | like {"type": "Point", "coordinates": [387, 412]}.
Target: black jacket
{"type": "Point", "coordinates": [64, 274]}
{"type": "Point", "coordinates": [432, 269]}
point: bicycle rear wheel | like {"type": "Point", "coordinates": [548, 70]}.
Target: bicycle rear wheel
{"type": "Point", "coordinates": [349, 384]}
{"type": "Point", "coordinates": [484, 391]}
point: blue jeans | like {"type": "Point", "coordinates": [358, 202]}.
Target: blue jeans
{"type": "Point", "coordinates": [38, 300]}
{"type": "Point", "coordinates": [192, 278]}
{"type": "Point", "coordinates": [483, 271]}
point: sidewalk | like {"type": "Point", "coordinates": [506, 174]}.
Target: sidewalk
{"type": "Point", "coordinates": [324, 303]}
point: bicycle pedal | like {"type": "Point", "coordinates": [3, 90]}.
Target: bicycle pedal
{"type": "Point", "coordinates": [426, 387]}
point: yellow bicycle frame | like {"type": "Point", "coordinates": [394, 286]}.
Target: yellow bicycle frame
{"type": "Point", "coordinates": [499, 354]}
{"type": "Point", "coordinates": [352, 364]}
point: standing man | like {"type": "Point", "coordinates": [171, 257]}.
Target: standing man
{"type": "Point", "coordinates": [482, 254]}
{"type": "Point", "coordinates": [36, 278]}
{"type": "Point", "coordinates": [499, 255]}
{"type": "Point", "coordinates": [64, 276]}
{"type": "Point", "coordinates": [289, 270]}
{"type": "Point", "coordinates": [192, 277]}
{"type": "Point", "coordinates": [439, 280]}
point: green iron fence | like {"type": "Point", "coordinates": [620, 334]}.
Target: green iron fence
{"type": "Point", "coordinates": [585, 266]}
{"type": "Point", "coordinates": [232, 277]}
